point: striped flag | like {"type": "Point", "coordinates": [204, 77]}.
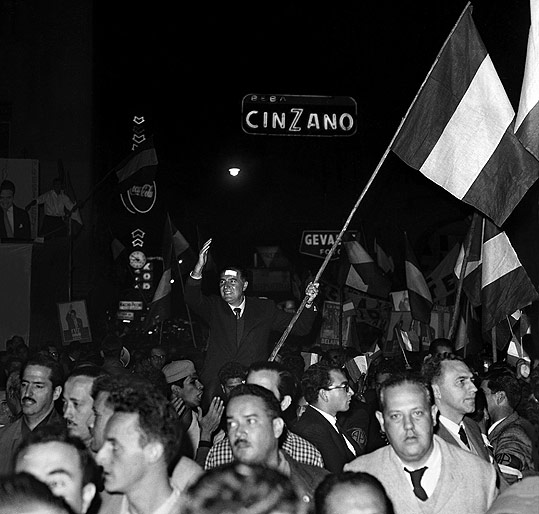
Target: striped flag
{"type": "Point", "coordinates": [459, 130]}
{"type": "Point", "coordinates": [359, 271]}
{"type": "Point", "coordinates": [505, 285]}
{"type": "Point", "coordinates": [441, 280]}
{"type": "Point", "coordinates": [527, 120]}
{"type": "Point", "coordinates": [418, 291]}
{"type": "Point", "coordinates": [183, 252]}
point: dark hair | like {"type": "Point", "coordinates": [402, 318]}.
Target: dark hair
{"type": "Point", "coordinates": [287, 382]}
{"type": "Point", "coordinates": [114, 383]}
{"type": "Point", "coordinates": [245, 488]}
{"type": "Point", "coordinates": [56, 375]}
{"type": "Point", "coordinates": [359, 479]}
{"type": "Point", "coordinates": [440, 342]}
{"type": "Point", "coordinates": [22, 490]}
{"type": "Point", "coordinates": [86, 370]}
{"type": "Point", "coordinates": [158, 419]}
{"type": "Point", "coordinates": [230, 370]}
{"type": "Point", "coordinates": [58, 433]}
{"type": "Point", "coordinates": [505, 381]}
{"type": "Point", "coordinates": [406, 377]}
{"type": "Point", "coordinates": [271, 404]}
{"type": "Point", "coordinates": [7, 185]}
{"type": "Point", "coordinates": [316, 377]}
{"type": "Point", "coordinates": [431, 369]}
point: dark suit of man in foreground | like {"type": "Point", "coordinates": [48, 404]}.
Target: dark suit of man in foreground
{"type": "Point", "coordinates": [14, 221]}
{"type": "Point", "coordinates": [451, 480]}
{"type": "Point", "coordinates": [243, 336]}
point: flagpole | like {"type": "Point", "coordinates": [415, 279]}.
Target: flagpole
{"type": "Point", "coordinates": [463, 266]}
{"type": "Point", "coordinates": [363, 193]}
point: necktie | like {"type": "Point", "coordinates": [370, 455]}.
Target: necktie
{"type": "Point", "coordinates": [349, 445]}
{"type": "Point", "coordinates": [239, 325]}
{"type": "Point", "coordinates": [463, 436]}
{"type": "Point", "coordinates": [9, 228]}
{"type": "Point", "coordinates": [416, 476]}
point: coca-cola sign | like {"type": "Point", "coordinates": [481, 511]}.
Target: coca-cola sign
{"type": "Point", "coordinates": [140, 198]}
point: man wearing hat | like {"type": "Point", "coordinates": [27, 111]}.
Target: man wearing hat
{"type": "Point", "coordinates": [186, 395]}
{"type": "Point", "coordinates": [240, 326]}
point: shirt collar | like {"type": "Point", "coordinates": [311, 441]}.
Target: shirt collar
{"type": "Point", "coordinates": [240, 306]}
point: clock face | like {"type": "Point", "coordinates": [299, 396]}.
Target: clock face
{"type": "Point", "coordinates": [137, 259]}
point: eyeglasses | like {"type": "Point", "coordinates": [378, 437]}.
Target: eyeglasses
{"type": "Point", "coordinates": [346, 387]}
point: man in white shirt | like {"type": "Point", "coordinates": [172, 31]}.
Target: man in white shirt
{"type": "Point", "coordinates": [57, 208]}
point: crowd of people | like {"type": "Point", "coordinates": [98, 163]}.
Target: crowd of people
{"type": "Point", "coordinates": [90, 432]}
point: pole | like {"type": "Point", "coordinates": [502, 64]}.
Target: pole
{"type": "Point", "coordinates": [494, 347]}
{"type": "Point", "coordinates": [468, 245]}
{"type": "Point", "coordinates": [362, 195]}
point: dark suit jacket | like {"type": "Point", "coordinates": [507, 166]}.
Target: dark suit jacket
{"type": "Point", "coordinates": [261, 316]}
{"type": "Point", "coordinates": [476, 439]}
{"type": "Point", "coordinates": [21, 224]}
{"type": "Point", "coordinates": [319, 431]}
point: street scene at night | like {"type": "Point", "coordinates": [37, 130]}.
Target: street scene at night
{"type": "Point", "coordinates": [269, 259]}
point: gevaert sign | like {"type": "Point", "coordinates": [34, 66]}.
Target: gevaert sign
{"type": "Point", "coordinates": [296, 115]}
{"type": "Point", "coordinates": [318, 243]}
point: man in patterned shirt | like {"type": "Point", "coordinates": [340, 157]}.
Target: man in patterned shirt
{"type": "Point", "coordinates": [280, 382]}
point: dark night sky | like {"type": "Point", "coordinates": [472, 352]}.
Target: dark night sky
{"type": "Point", "coordinates": [187, 73]}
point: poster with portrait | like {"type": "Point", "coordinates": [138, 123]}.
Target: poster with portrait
{"type": "Point", "coordinates": [74, 323]}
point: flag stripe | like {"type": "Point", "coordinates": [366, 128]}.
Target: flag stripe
{"type": "Point", "coordinates": [472, 134]}
{"type": "Point", "coordinates": [357, 254]}
{"type": "Point", "coordinates": [440, 96]}
{"type": "Point", "coordinates": [416, 281]}
{"type": "Point", "coordinates": [527, 119]}
{"type": "Point", "coordinates": [138, 161]}
{"type": "Point", "coordinates": [499, 259]}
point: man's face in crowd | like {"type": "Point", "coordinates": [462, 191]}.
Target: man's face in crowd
{"type": "Point", "coordinates": [338, 397]}
{"type": "Point", "coordinates": [408, 421]}
{"type": "Point", "coordinates": [489, 396]}
{"type": "Point", "coordinates": [58, 465]}
{"type": "Point", "coordinates": [78, 405]}
{"type": "Point", "coordinates": [102, 414]}
{"type": "Point", "coordinates": [6, 199]}
{"type": "Point", "coordinates": [37, 391]}
{"type": "Point", "coordinates": [232, 287]}
{"type": "Point", "coordinates": [157, 357]}
{"type": "Point", "coordinates": [230, 384]}
{"type": "Point", "coordinates": [253, 435]}
{"type": "Point", "coordinates": [191, 392]}
{"type": "Point", "coordinates": [454, 391]}
{"type": "Point", "coordinates": [121, 456]}
{"type": "Point", "coordinates": [352, 499]}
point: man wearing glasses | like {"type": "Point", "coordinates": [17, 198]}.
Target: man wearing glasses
{"type": "Point", "coordinates": [158, 357]}
{"type": "Point", "coordinates": [326, 390]}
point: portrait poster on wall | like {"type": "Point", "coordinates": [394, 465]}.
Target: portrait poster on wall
{"type": "Point", "coordinates": [74, 323]}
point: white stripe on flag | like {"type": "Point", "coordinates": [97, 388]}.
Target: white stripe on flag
{"type": "Point", "coordinates": [529, 95]}
{"type": "Point", "coordinates": [357, 254]}
{"type": "Point", "coordinates": [416, 281]}
{"type": "Point", "coordinates": [354, 280]}
{"type": "Point", "coordinates": [473, 133]}
{"type": "Point", "coordinates": [499, 259]}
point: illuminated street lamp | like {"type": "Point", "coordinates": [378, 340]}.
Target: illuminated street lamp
{"type": "Point", "coordinates": [233, 171]}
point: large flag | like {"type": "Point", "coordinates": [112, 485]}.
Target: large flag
{"type": "Point", "coordinates": [459, 130]}
{"type": "Point", "coordinates": [418, 291]}
{"type": "Point", "coordinates": [160, 308]}
{"type": "Point", "coordinates": [184, 254]}
{"type": "Point", "coordinates": [505, 285]}
{"type": "Point", "coordinates": [359, 271]}
{"type": "Point", "coordinates": [527, 120]}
